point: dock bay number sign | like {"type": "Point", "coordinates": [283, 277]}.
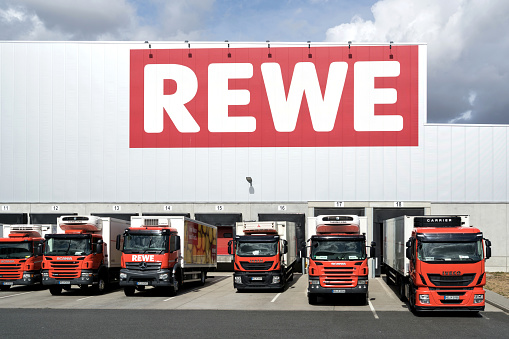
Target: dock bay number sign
{"type": "Point", "coordinates": [292, 97]}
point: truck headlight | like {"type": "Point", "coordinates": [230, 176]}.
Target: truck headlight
{"type": "Point", "coordinates": [27, 275]}
{"type": "Point", "coordinates": [163, 276]}
{"type": "Point", "coordinates": [362, 282]}
{"type": "Point", "coordinates": [86, 275]}
{"type": "Point", "coordinates": [424, 298]}
{"type": "Point", "coordinates": [238, 280]}
{"type": "Point", "coordinates": [45, 274]}
{"type": "Point", "coordinates": [276, 279]}
{"type": "Point", "coordinates": [123, 276]}
{"type": "Point", "coordinates": [478, 298]}
{"type": "Point", "coordinates": [314, 282]}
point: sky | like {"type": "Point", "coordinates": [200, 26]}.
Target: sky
{"type": "Point", "coordinates": [468, 47]}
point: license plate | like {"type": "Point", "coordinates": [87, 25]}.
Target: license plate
{"type": "Point", "coordinates": [64, 282]}
{"type": "Point", "coordinates": [256, 278]}
{"type": "Point", "coordinates": [7, 282]}
{"type": "Point", "coordinates": [338, 291]}
{"type": "Point", "coordinates": [451, 297]}
{"type": "Point", "coordinates": [142, 283]}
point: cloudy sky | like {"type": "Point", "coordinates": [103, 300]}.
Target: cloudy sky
{"type": "Point", "coordinates": [468, 44]}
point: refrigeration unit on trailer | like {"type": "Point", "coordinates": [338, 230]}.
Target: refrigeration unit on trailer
{"type": "Point", "coordinates": [337, 258]}
{"type": "Point", "coordinates": [166, 252]}
{"type": "Point", "coordinates": [265, 253]}
{"type": "Point", "coordinates": [437, 262]}
{"type": "Point", "coordinates": [83, 253]}
{"type": "Point", "coordinates": [21, 254]}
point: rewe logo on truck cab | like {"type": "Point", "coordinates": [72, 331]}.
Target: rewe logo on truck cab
{"type": "Point", "coordinates": [143, 257]}
{"type": "Point", "coordinates": [290, 97]}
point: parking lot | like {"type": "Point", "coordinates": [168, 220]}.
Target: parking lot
{"type": "Point", "coordinates": [217, 294]}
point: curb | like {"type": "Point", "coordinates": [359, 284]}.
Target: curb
{"type": "Point", "coordinates": [504, 308]}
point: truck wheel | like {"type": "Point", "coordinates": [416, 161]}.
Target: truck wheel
{"type": "Point", "coordinates": [312, 299]}
{"type": "Point", "coordinates": [129, 291]}
{"type": "Point", "coordinates": [55, 289]}
{"type": "Point", "coordinates": [101, 285]}
{"type": "Point", "coordinates": [5, 287]}
{"type": "Point", "coordinates": [401, 286]}
{"type": "Point", "coordinates": [202, 278]}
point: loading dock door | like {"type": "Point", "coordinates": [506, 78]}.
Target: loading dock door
{"type": "Point", "coordinates": [379, 216]}
{"type": "Point", "coordinates": [339, 211]}
{"type": "Point", "coordinates": [13, 218]}
{"type": "Point", "coordinates": [46, 218]}
{"type": "Point", "coordinates": [300, 229]}
{"type": "Point", "coordinates": [121, 216]}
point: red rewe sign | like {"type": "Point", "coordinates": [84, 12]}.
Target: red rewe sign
{"type": "Point", "coordinates": [285, 97]}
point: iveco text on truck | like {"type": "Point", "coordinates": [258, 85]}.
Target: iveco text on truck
{"type": "Point", "coordinates": [443, 266]}
{"type": "Point", "coordinates": [264, 254]}
{"type": "Point", "coordinates": [84, 254]}
{"type": "Point", "coordinates": [338, 263]}
{"type": "Point", "coordinates": [166, 252]}
{"type": "Point", "coordinates": [21, 254]}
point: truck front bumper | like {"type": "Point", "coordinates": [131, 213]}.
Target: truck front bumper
{"type": "Point", "coordinates": [258, 280]}
{"type": "Point", "coordinates": [314, 287]}
{"type": "Point", "coordinates": [428, 299]}
{"type": "Point", "coordinates": [140, 278]}
{"type": "Point", "coordinates": [86, 278]}
{"type": "Point", "coordinates": [29, 278]}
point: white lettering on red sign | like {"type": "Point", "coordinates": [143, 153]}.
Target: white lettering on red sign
{"type": "Point", "coordinates": [291, 100]}
{"type": "Point", "coordinates": [143, 257]}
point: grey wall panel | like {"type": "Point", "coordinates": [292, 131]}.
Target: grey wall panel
{"type": "Point", "coordinates": [430, 163]}
{"type": "Point", "coordinates": [472, 164]}
{"type": "Point", "coordinates": [500, 159]}
{"type": "Point", "coordinates": [486, 162]}
{"type": "Point", "coordinates": [458, 163]}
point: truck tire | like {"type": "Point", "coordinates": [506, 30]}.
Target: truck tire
{"type": "Point", "coordinates": [5, 287]}
{"type": "Point", "coordinates": [401, 287]}
{"type": "Point", "coordinates": [101, 286]}
{"type": "Point", "coordinates": [55, 289]}
{"type": "Point", "coordinates": [312, 299]}
{"type": "Point", "coordinates": [203, 276]}
{"type": "Point", "coordinates": [129, 291]}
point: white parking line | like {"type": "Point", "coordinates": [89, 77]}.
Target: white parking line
{"type": "Point", "coordinates": [86, 298]}
{"type": "Point", "coordinates": [274, 299]}
{"type": "Point", "coordinates": [373, 310]}
{"type": "Point", "coordinates": [13, 295]}
{"type": "Point", "coordinates": [168, 299]}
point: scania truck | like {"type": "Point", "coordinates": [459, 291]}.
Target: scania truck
{"type": "Point", "coordinates": [338, 262]}
{"type": "Point", "coordinates": [166, 252]}
{"type": "Point", "coordinates": [441, 266]}
{"type": "Point", "coordinates": [21, 254]}
{"type": "Point", "coordinates": [83, 253]}
{"type": "Point", "coordinates": [264, 254]}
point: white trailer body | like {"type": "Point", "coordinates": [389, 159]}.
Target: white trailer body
{"type": "Point", "coordinates": [285, 230]}
{"type": "Point", "coordinates": [198, 240]}
{"type": "Point", "coordinates": [396, 233]}
{"type": "Point", "coordinates": [43, 229]}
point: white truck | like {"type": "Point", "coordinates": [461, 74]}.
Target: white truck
{"type": "Point", "coordinates": [82, 253]}
{"type": "Point", "coordinates": [437, 262]}
{"type": "Point", "coordinates": [21, 254]}
{"type": "Point", "coordinates": [166, 252]}
{"type": "Point", "coordinates": [265, 253]}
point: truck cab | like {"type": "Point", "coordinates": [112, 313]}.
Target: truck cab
{"type": "Point", "coordinates": [21, 255]}
{"type": "Point", "coordinates": [261, 255]}
{"type": "Point", "coordinates": [338, 262]}
{"type": "Point", "coordinates": [446, 265]}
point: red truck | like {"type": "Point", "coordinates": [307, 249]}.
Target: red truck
{"type": "Point", "coordinates": [83, 255]}
{"type": "Point", "coordinates": [21, 254]}
{"type": "Point", "coordinates": [264, 254]}
{"type": "Point", "coordinates": [338, 263]}
{"type": "Point", "coordinates": [166, 252]}
{"type": "Point", "coordinates": [443, 266]}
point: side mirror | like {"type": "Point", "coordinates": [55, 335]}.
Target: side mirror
{"type": "Point", "coordinates": [38, 250]}
{"type": "Point", "coordinates": [488, 248]}
{"type": "Point", "coordinates": [285, 246]}
{"type": "Point", "coordinates": [118, 242]}
{"type": "Point", "coordinates": [230, 250]}
{"type": "Point", "coordinates": [99, 246]}
{"type": "Point", "coordinates": [409, 243]}
{"type": "Point", "coordinates": [174, 243]}
{"type": "Point", "coordinates": [408, 253]}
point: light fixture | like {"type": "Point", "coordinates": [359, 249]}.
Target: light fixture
{"type": "Point", "coordinates": [390, 50]}
{"type": "Point", "coordinates": [250, 181]}
{"type": "Point", "coordinates": [268, 45]}
{"type": "Point", "coordinates": [349, 54]}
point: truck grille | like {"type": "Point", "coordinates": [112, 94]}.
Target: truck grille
{"type": "Point", "coordinates": [338, 270]}
{"type": "Point", "coordinates": [329, 281]}
{"type": "Point", "coordinates": [460, 280]}
{"type": "Point", "coordinates": [143, 266]}
{"type": "Point", "coordinates": [10, 271]}
{"type": "Point", "coordinates": [64, 269]}
{"type": "Point", "coordinates": [262, 266]}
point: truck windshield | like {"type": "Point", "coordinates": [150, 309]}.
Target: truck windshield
{"type": "Point", "coordinates": [450, 251]}
{"type": "Point", "coordinates": [338, 250]}
{"type": "Point", "coordinates": [145, 243]}
{"type": "Point", "coordinates": [257, 249]}
{"type": "Point", "coordinates": [68, 246]}
{"type": "Point", "coordinates": [15, 250]}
